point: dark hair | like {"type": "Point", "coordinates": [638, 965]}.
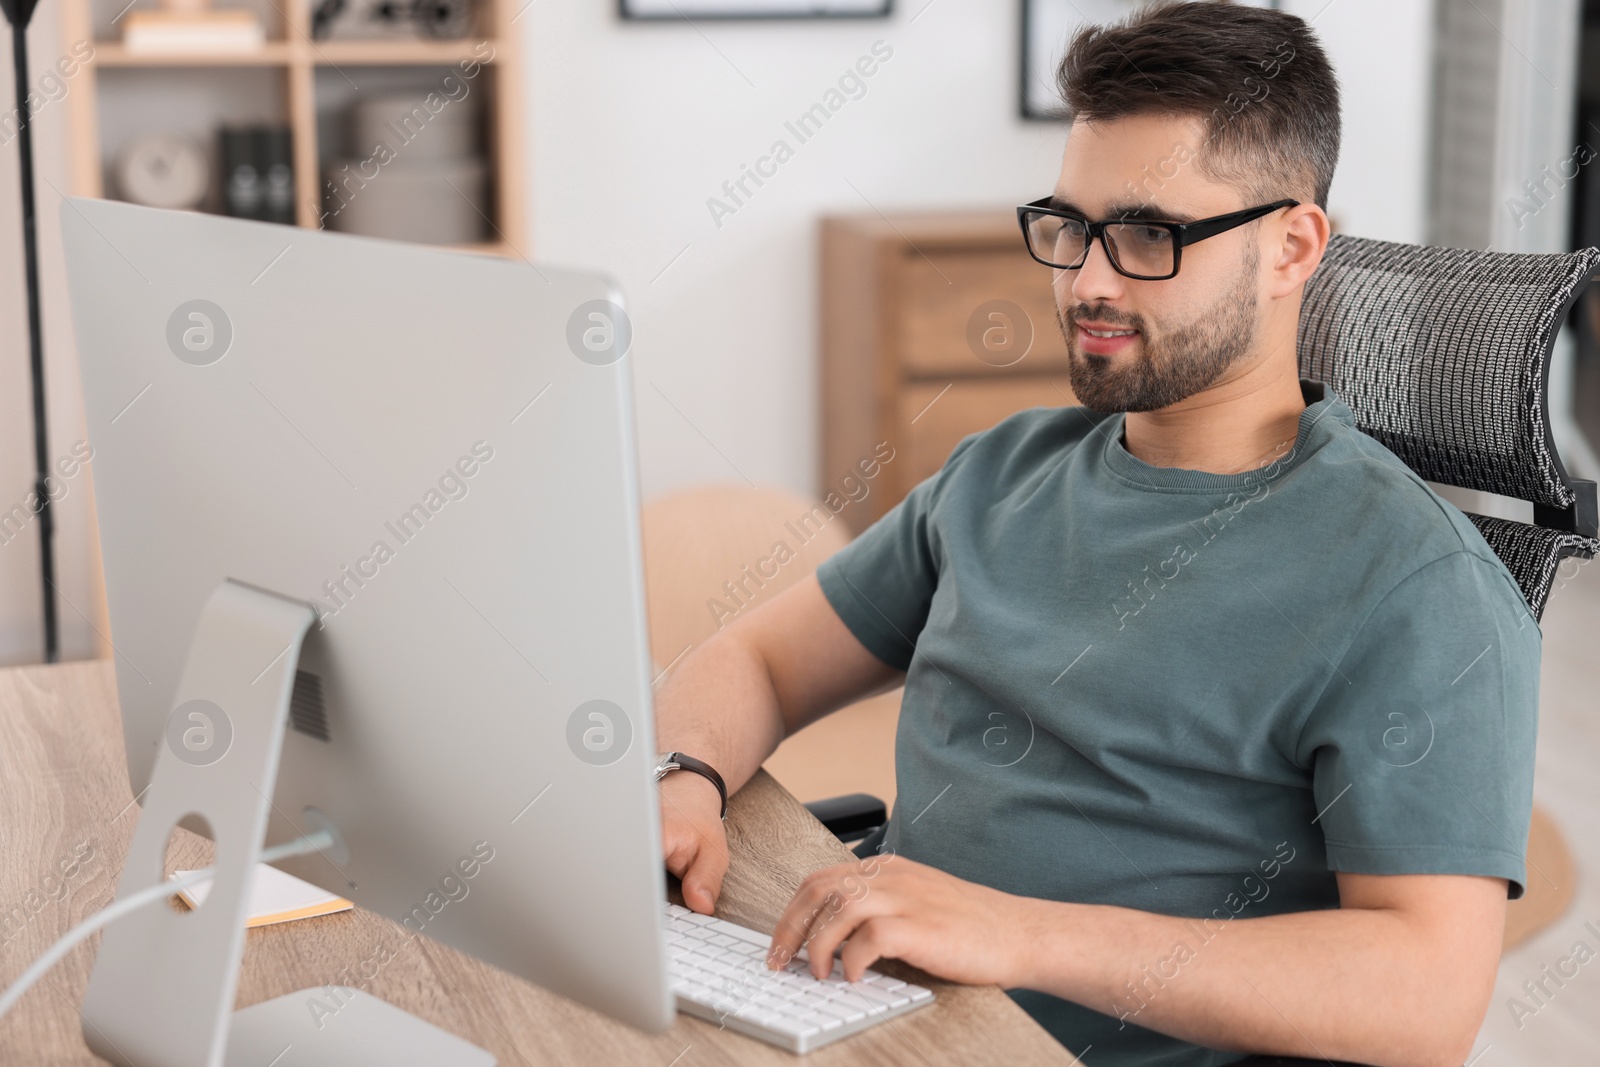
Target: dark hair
{"type": "Point", "coordinates": [1258, 77]}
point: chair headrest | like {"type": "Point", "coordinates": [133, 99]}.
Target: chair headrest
{"type": "Point", "coordinates": [1443, 355]}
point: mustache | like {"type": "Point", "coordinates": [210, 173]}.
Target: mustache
{"type": "Point", "coordinates": [1103, 313]}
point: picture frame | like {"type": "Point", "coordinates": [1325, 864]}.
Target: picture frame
{"type": "Point", "coordinates": [691, 10]}
{"type": "Point", "coordinates": [1047, 29]}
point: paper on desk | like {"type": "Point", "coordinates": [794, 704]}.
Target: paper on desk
{"type": "Point", "coordinates": [274, 898]}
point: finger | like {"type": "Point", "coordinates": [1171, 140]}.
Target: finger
{"type": "Point", "coordinates": [816, 907]}
{"type": "Point", "coordinates": [873, 940]}
{"type": "Point", "coordinates": [702, 880]}
{"type": "Point", "coordinates": [678, 846]}
{"type": "Point", "coordinates": [841, 916]}
{"type": "Point", "coordinates": [794, 925]}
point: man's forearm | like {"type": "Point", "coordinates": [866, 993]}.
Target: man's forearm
{"type": "Point", "coordinates": [720, 706]}
{"type": "Point", "coordinates": [1342, 984]}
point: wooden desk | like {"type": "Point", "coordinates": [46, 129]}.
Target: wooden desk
{"type": "Point", "coordinates": [64, 793]}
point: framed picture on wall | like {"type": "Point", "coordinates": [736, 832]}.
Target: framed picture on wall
{"type": "Point", "coordinates": [678, 10]}
{"type": "Point", "coordinates": [1047, 29]}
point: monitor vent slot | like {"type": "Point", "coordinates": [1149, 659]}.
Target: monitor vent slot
{"type": "Point", "coordinates": [307, 713]}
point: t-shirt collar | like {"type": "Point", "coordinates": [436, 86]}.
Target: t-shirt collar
{"type": "Point", "coordinates": [1321, 402]}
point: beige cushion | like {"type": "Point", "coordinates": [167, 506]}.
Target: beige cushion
{"type": "Point", "coordinates": [713, 552]}
{"type": "Point", "coordinates": [1551, 882]}
{"type": "Point", "coordinates": [696, 541]}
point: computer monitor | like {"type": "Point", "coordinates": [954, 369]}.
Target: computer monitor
{"type": "Point", "coordinates": [435, 452]}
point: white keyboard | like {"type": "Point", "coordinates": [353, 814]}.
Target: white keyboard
{"type": "Point", "coordinates": [719, 973]}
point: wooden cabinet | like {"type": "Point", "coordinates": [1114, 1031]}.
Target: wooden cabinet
{"type": "Point", "coordinates": [933, 327]}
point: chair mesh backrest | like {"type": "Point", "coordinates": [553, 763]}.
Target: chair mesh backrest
{"type": "Point", "coordinates": [1443, 355]}
{"type": "Point", "coordinates": [1532, 554]}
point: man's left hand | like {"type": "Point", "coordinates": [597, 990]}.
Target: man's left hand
{"type": "Point", "coordinates": [889, 907]}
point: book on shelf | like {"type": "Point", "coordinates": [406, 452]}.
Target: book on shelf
{"type": "Point", "coordinates": [257, 172]}
{"type": "Point", "coordinates": [191, 32]}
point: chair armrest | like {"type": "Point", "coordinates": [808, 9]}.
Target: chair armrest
{"type": "Point", "coordinates": [850, 817]}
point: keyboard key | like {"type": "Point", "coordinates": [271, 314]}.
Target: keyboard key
{"type": "Point", "coordinates": [883, 996]}
{"type": "Point", "coordinates": [755, 1013]}
{"type": "Point", "coordinates": [843, 1012]}
{"type": "Point", "coordinates": [744, 934]}
{"type": "Point", "coordinates": [854, 1002]}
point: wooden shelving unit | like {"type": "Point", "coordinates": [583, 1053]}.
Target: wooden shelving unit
{"type": "Point", "coordinates": [300, 58]}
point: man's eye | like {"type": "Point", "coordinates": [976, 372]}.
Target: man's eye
{"type": "Point", "coordinates": [1150, 235]}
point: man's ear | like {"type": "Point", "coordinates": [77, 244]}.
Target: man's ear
{"type": "Point", "coordinates": [1304, 232]}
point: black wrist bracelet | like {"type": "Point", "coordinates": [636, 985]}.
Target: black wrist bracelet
{"type": "Point", "coordinates": [677, 761]}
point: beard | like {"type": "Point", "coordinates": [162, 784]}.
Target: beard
{"type": "Point", "coordinates": [1171, 367]}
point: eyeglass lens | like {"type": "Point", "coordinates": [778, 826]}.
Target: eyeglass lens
{"type": "Point", "coordinates": [1137, 248]}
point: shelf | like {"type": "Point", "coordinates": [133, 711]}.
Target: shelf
{"type": "Point", "coordinates": [296, 68]}
{"type": "Point", "coordinates": [329, 53]}
{"type": "Point", "coordinates": [114, 54]}
{"type": "Point", "coordinates": [318, 53]}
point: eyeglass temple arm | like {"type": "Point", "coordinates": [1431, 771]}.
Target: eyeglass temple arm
{"type": "Point", "coordinates": [1199, 231]}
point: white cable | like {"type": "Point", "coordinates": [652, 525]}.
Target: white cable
{"type": "Point", "coordinates": [117, 909]}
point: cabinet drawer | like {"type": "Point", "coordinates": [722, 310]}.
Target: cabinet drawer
{"type": "Point", "coordinates": [981, 311]}
{"type": "Point", "coordinates": [943, 417]}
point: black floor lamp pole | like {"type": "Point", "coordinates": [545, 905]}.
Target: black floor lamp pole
{"type": "Point", "coordinates": [19, 13]}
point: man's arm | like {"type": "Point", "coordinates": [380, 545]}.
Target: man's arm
{"type": "Point", "coordinates": [730, 702]}
{"type": "Point", "coordinates": [1399, 975]}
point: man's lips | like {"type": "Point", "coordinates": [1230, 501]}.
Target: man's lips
{"type": "Point", "coordinates": [1103, 338]}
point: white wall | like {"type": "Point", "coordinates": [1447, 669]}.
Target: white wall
{"type": "Point", "coordinates": [1382, 52]}
{"type": "Point", "coordinates": [634, 126]}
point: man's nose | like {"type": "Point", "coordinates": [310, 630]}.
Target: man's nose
{"type": "Point", "coordinates": [1097, 280]}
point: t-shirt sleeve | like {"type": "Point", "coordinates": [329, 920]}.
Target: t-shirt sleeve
{"type": "Point", "coordinates": [882, 583]}
{"type": "Point", "coordinates": [1422, 745]}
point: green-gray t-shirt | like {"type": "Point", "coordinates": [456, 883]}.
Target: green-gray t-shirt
{"type": "Point", "coordinates": [1191, 693]}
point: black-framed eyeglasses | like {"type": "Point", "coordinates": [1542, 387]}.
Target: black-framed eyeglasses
{"type": "Point", "coordinates": [1143, 249]}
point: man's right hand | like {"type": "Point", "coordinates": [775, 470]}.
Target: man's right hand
{"type": "Point", "coordinates": [693, 840]}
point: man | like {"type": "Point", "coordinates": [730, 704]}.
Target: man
{"type": "Point", "coordinates": [1218, 724]}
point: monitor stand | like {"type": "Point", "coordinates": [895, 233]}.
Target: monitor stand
{"type": "Point", "coordinates": [163, 986]}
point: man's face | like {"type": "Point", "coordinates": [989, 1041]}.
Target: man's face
{"type": "Point", "coordinates": [1144, 345]}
